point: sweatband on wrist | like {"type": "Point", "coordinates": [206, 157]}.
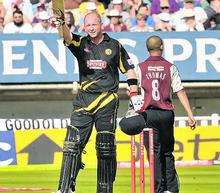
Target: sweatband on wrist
{"type": "Point", "coordinates": [132, 81]}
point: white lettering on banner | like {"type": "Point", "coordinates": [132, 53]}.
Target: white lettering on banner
{"type": "Point", "coordinates": [9, 57]}
{"type": "Point", "coordinates": [30, 124]}
{"type": "Point", "coordinates": [27, 57]}
{"type": "Point", "coordinates": [76, 66]}
{"type": "Point", "coordinates": [203, 57]}
{"type": "Point", "coordinates": [131, 43]}
{"type": "Point", "coordinates": [5, 147]}
{"type": "Point", "coordinates": [59, 65]}
{"type": "Point", "coordinates": [169, 48]}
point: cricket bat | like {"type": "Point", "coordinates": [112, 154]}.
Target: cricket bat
{"type": "Point", "coordinates": [58, 7]}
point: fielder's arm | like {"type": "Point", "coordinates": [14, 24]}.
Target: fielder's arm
{"type": "Point", "coordinates": [131, 74]}
{"type": "Point", "coordinates": [185, 102]}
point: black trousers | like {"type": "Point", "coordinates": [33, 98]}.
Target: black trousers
{"type": "Point", "coordinates": [89, 109]}
{"type": "Point", "coordinates": [162, 122]}
{"type": "Point", "coordinates": [99, 110]}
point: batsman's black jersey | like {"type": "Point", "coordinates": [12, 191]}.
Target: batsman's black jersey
{"type": "Point", "coordinates": [99, 65]}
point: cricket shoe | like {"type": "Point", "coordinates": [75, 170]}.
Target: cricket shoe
{"type": "Point", "coordinates": [58, 191]}
{"type": "Point", "coordinates": [167, 192]}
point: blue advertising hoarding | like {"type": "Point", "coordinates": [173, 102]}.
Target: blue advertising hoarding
{"type": "Point", "coordinates": [7, 148]}
{"type": "Point", "coordinates": [42, 58]}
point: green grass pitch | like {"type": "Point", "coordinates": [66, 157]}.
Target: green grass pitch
{"type": "Point", "coordinates": [204, 179]}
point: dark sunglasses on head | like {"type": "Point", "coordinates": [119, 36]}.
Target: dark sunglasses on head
{"type": "Point", "coordinates": [45, 20]}
{"type": "Point", "coordinates": [142, 18]}
{"type": "Point", "coordinates": [145, 5]}
{"type": "Point", "coordinates": [164, 7]}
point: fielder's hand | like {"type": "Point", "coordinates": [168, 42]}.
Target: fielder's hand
{"type": "Point", "coordinates": [192, 122]}
{"type": "Point", "coordinates": [58, 19]}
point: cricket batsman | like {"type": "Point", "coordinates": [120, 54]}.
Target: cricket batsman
{"type": "Point", "coordinates": [100, 58]}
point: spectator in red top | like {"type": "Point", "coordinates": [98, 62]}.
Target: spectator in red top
{"type": "Point", "coordinates": [115, 25]}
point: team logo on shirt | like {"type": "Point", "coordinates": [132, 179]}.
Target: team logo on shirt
{"type": "Point", "coordinates": [155, 68]}
{"type": "Point", "coordinates": [130, 62]}
{"type": "Point", "coordinates": [156, 72]}
{"type": "Point", "coordinates": [86, 49]}
{"type": "Point", "coordinates": [108, 52]}
{"type": "Point", "coordinates": [96, 64]}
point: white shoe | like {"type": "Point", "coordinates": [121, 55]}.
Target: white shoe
{"type": "Point", "coordinates": [167, 192]}
{"type": "Point", "coordinates": [58, 191]}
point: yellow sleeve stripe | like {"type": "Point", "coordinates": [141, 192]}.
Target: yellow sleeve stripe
{"type": "Point", "coordinates": [76, 43]}
{"type": "Point", "coordinates": [121, 66]}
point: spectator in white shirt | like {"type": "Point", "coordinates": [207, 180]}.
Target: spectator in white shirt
{"type": "Point", "coordinates": [118, 5]}
{"type": "Point", "coordinates": [18, 25]}
{"type": "Point", "coordinates": [163, 20]}
{"type": "Point", "coordinates": [199, 13]}
{"type": "Point", "coordinates": [44, 26]}
{"type": "Point", "coordinates": [164, 23]}
{"type": "Point", "coordinates": [190, 23]}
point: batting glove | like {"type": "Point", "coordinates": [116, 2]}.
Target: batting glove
{"type": "Point", "coordinates": [137, 101]}
{"type": "Point", "coordinates": [59, 19]}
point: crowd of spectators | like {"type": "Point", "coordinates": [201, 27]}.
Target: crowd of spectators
{"type": "Point", "coordinates": [34, 16]}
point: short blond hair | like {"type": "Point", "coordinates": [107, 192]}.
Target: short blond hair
{"type": "Point", "coordinates": [95, 13]}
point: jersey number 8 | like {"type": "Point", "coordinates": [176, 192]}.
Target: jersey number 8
{"type": "Point", "coordinates": [155, 91]}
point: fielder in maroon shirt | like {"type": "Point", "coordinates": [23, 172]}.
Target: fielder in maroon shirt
{"type": "Point", "coordinates": [154, 109]}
